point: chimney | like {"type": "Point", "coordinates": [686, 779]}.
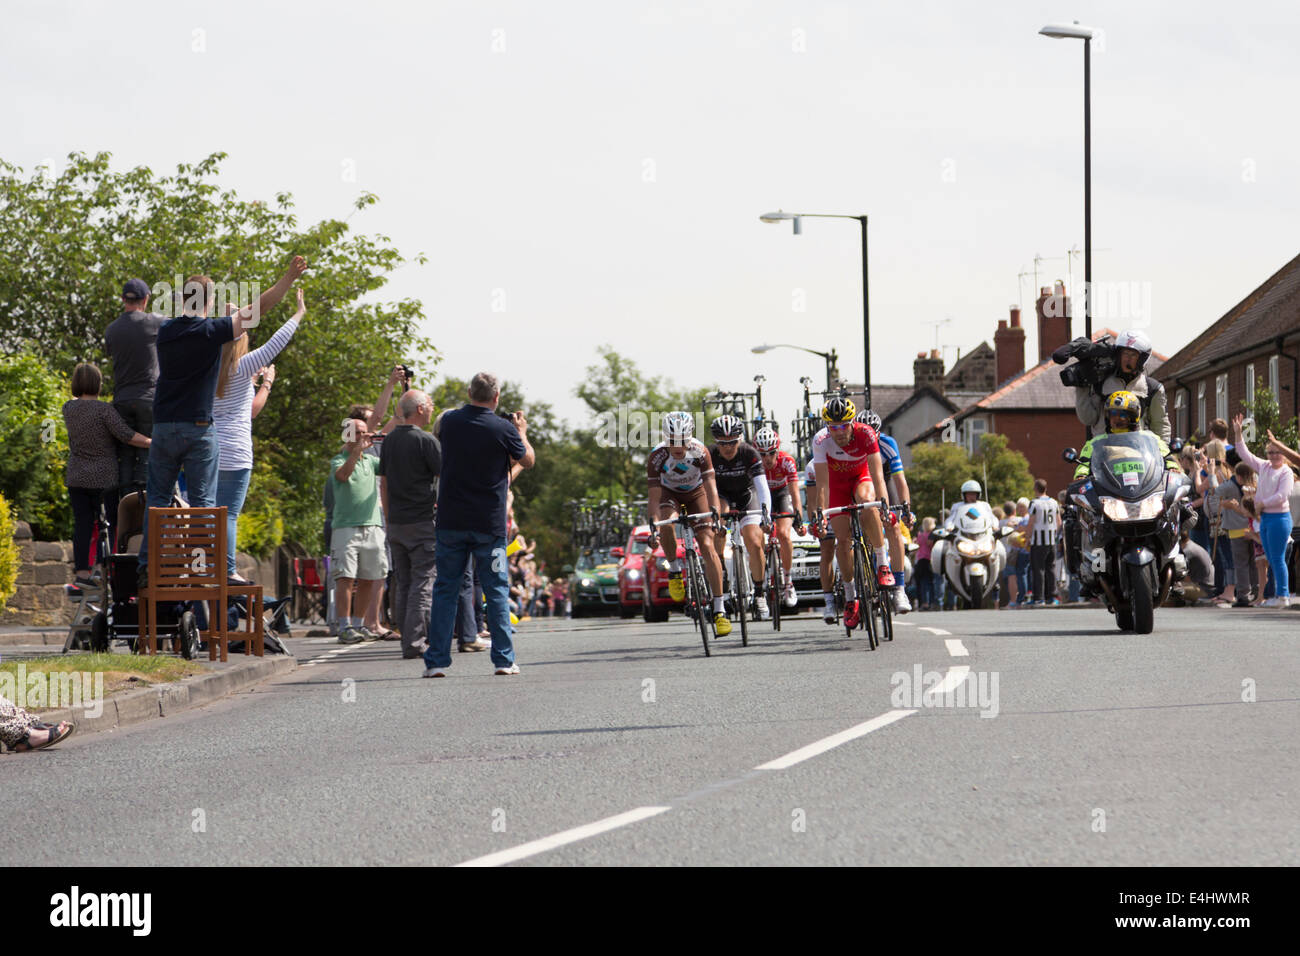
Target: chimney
{"type": "Point", "coordinates": [1053, 307]}
{"type": "Point", "coordinates": [1009, 345]}
{"type": "Point", "coordinates": [928, 370]}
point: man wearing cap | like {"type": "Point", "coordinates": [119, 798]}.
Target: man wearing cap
{"type": "Point", "coordinates": [131, 342]}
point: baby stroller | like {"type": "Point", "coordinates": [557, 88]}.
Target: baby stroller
{"type": "Point", "coordinates": [118, 616]}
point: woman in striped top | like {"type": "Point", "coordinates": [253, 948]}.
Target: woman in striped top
{"type": "Point", "coordinates": [232, 412]}
{"type": "Point", "coordinates": [1272, 494]}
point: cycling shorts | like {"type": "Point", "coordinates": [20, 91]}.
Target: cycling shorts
{"type": "Point", "coordinates": [781, 501]}
{"type": "Point", "coordinates": [695, 501]}
{"type": "Point", "coordinates": [746, 502]}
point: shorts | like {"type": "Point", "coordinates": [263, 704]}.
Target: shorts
{"type": "Point", "coordinates": [695, 501]}
{"type": "Point", "coordinates": [781, 501]}
{"type": "Point", "coordinates": [841, 492]}
{"type": "Point", "coordinates": [359, 553]}
{"type": "Point", "coordinates": [746, 502]}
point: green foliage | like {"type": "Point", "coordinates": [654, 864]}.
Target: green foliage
{"type": "Point", "coordinates": [8, 554]}
{"type": "Point", "coordinates": [261, 523]}
{"type": "Point", "coordinates": [35, 443]}
{"type": "Point", "coordinates": [71, 241]}
{"type": "Point", "coordinates": [1267, 417]}
{"type": "Point", "coordinates": [938, 470]}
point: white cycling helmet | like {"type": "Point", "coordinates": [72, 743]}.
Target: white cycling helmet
{"type": "Point", "coordinates": [1138, 342]}
{"type": "Point", "coordinates": [971, 485]}
{"type": "Point", "coordinates": [678, 427]}
{"type": "Point", "coordinates": [767, 439]}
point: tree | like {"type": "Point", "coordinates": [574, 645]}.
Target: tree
{"type": "Point", "coordinates": [35, 443]}
{"type": "Point", "coordinates": [938, 471]}
{"type": "Point", "coordinates": [1266, 416]}
{"type": "Point", "coordinates": [70, 242]}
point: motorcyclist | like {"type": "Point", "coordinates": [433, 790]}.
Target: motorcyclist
{"type": "Point", "coordinates": [970, 497]}
{"type": "Point", "coordinates": [1131, 351]}
{"type": "Point", "coordinates": [1123, 415]}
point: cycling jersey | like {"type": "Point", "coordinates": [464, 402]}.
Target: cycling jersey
{"type": "Point", "coordinates": [782, 472]}
{"type": "Point", "coordinates": [850, 464]}
{"type": "Point", "coordinates": [810, 475]}
{"type": "Point", "coordinates": [891, 462]}
{"type": "Point", "coordinates": [736, 477]}
{"type": "Point", "coordinates": [687, 474]}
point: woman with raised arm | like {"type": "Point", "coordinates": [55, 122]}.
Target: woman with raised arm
{"type": "Point", "coordinates": [1272, 494]}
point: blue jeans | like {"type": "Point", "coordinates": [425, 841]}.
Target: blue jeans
{"type": "Point", "coordinates": [1274, 533]}
{"type": "Point", "coordinates": [178, 445]}
{"type": "Point", "coordinates": [454, 550]}
{"type": "Point", "coordinates": [1022, 577]}
{"type": "Point", "coordinates": [232, 488]}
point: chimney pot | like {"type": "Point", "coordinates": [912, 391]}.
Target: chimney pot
{"type": "Point", "coordinates": [1015, 316]}
{"type": "Point", "coordinates": [1002, 324]}
{"type": "Point", "coordinates": [934, 353]}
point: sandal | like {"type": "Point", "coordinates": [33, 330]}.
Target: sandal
{"type": "Point", "coordinates": [386, 635]}
{"type": "Point", "coordinates": [57, 733]}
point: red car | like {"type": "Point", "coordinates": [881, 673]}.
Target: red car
{"type": "Point", "coordinates": [653, 601]}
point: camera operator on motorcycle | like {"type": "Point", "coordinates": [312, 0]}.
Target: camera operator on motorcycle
{"type": "Point", "coordinates": [1130, 354]}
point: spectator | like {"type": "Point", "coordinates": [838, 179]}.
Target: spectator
{"type": "Point", "coordinates": [1010, 594]}
{"type": "Point", "coordinates": [1218, 477]}
{"type": "Point", "coordinates": [396, 384]}
{"type": "Point", "coordinates": [923, 574]}
{"type": "Point", "coordinates": [233, 414]}
{"type": "Point", "coordinates": [478, 449]}
{"type": "Point", "coordinates": [358, 560]}
{"type": "Point", "coordinates": [130, 341]}
{"type": "Point", "coordinates": [94, 430]}
{"type": "Point", "coordinates": [1219, 432]}
{"type": "Point", "coordinates": [1200, 570]}
{"type": "Point", "coordinates": [189, 358]}
{"type": "Point", "coordinates": [470, 632]}
{"type": "Point", "coordinates": [20, 731]}
{"type": "Point", "coordinates": [1041, 532]}
{"type": "Point", "coordinates": [1260, 559]}
{"type": "Point", "coordinates": [411, 461]}
{"type": "Point", "coordinates": [1272, 494]}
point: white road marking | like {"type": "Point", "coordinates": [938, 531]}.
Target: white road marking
{"type": "Point", "coordinates": [951, 680]}
{"type": "Point", "coordinates": [834, 740]}
{"type": "Point", "coordinates": [534, 847]}
{"type": "Point", "coordinates": [936, 630]}
{"type": "Point", "coordinates": [956, 648]}
{"type": "Point", "coordinates": [904, 624]}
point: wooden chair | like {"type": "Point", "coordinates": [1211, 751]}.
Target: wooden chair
{"type": "Point", "coordinates": [187, 562]}
{"type": "Point", "coordinates": [253, 632]}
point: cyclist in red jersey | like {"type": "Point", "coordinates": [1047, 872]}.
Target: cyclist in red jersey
{"type": "Point", "coordinates": [846, 456]}
{"type": "Point", "coordinates": [783, 480]}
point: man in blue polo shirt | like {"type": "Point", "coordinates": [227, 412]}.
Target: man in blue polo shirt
{"type": "Point", "coordinates": [478, 449]}
{"type": "Point", "coordinates": [189, 357]}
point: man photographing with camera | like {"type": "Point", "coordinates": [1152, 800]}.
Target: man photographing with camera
{"type": "Point", "coordinates": [1105, 367]}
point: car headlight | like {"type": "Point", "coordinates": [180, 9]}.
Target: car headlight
{"type": "Point", "coordinates": [587, 582]}
{"type": "Point", "coordinates": [633, 575]}
{"type": "Point", "coordinates": [1117, 509]}
{"type": "Point", "coordinates": [974, 548]}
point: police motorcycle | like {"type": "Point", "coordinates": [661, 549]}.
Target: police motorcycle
{"type": "Point", "coordinates": [971, 554]}
{"type": "Point", "coordinates": [1122, 523]}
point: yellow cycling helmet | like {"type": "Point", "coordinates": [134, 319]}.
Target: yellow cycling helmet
{"type": "Point", "coordinates": [1125, 404]}
{"type": "Point", "coordinates": [838, 410]}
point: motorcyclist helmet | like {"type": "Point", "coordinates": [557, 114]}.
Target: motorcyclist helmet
{"type": "Point", "coordinates": [1138, 342]}
{"type": "Point", "coordinates": [1123, 409]}
{"type": "Point", "coordinates": [969, 486]}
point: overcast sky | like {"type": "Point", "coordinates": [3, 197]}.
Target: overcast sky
{"type": "Point", "coordinates": [597, 169]}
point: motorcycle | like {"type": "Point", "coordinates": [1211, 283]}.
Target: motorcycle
{"type": "Point", "coordinates": [972, 556]}
{"type": "Point", "coordinates": [1122, 523]}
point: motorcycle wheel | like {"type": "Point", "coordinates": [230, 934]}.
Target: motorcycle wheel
{"type": "Point", "coordinates": [1141, 600]}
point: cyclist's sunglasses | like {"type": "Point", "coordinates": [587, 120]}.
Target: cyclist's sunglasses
{"type": "Point", "coordinates": [838, 426]}
{"type": "Point", "coordinates": [769, 454]}
{"type": "Point", "coordinates": [730, 441]}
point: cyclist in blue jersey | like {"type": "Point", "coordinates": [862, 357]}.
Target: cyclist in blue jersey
{"type": "Point", "coordinates": [896, 492]}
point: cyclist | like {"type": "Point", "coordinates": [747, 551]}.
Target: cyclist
{"type": "Point", "coordinates": [783, 480]}
{"type": "Point", "coordinates": [742, 484]}
{"type": "Point", "coordinates": [826, 543]}
{"type": "Point", "coordinates": [896, 491]}
{"type": "Point", "coordinates": [847, 459]}
{"type": "Point", "coordinates": [679, 473]}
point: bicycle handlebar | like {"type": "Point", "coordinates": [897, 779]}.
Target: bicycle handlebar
{"type": "Point", "coordinates": [858, 506]}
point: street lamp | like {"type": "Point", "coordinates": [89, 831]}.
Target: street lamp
{"type": "Point", "coordinates": [1074, 31]}
{"type": "Point", "coordinates": [832, 360]}
{"type": "Point", "coordinates": [781, 216]}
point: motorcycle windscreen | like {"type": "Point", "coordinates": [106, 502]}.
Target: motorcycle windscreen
{"type": "Point", "coordinates": [1128, 465]}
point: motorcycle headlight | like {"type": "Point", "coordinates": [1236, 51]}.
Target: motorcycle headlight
{"type": "Point", "coordinates": [1116, 509]}
{"type": "Point", "coordinates": [634, 575]}
{"type": "Point", "coordinates": [976, 548]}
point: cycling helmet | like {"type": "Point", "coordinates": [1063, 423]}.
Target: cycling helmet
{"type": "Point", "coordinates": [767, 440]}
{"type": "Point", "coordinates": [971, 485]}
{"type": "Point", "coordinates": [678, 427]}
{"type": "Point", "coordinates": [727, 427]}
{"type": "Point", "coordinates": [1124, 404]}
{"type": "Point", "coordinates": [868, 417]}
{"type": "Point", "coordinates": [1138, 342]}
{"type": "Point", "coordinates": [838, 410]}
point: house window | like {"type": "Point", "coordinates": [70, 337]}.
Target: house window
{"type": "Point", "coordinates": [975, 427]}
{"type": "Point", "coordinates": [1250, 384]}
{"type": "Point", "coordinates": [1180, 413]}
{"type": "Point", "coordinates": [1221, 396]}
{"type": "Point", "coordinates": [1272, 376]}
{"type": "Point", "coordinates": [1200, 409]}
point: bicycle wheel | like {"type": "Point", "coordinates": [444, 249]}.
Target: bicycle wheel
{"type": "Point", "coordinates": [699, 598]}
{"type": "Point", "coordinates": [774, 583]}
{"type": "Point", "coordinates": [866, 596]}
{"type": "Point", "coordinates": [740, 578]}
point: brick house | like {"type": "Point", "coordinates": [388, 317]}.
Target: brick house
{"type": "Point", "coordinates": [1258, 338]}
{"type": "Point", "coordinates": [1029, 406]}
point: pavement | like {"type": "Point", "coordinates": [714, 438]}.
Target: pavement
{"type": "Point", "coordinates": [621, 744]}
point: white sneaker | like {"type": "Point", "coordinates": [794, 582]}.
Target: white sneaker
{"type": "Point", "coordinates": [506, 671]}
{"type": "Point", "coordinates": [789, 597]}
{"type": "Point", "coordinates": [434, 672]}
{"type": "Point", "coordinates": [829, 615]}
{"type": "Point", "coordinates": [764, 613]}
{"type": "Point", "coordinates": [901, 604]}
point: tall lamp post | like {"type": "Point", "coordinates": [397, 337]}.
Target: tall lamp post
{"type": "Point", "coordinates": [1074, 31]}
{"type": "Point", "coordinates": [832, 360]}
{"type": "Point", "coordinates": [781, 216]}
